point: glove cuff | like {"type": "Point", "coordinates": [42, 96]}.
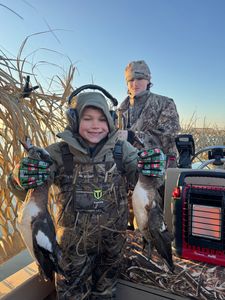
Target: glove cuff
{"type": "Point", "coordinates": [14, 183]}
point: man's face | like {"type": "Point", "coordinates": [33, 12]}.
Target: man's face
{"type": "Point", "coordinates": [93, 126]}
{"type": "Point", "coordinates": [136, 86]}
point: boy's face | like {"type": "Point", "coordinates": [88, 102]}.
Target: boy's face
{"type": "Point", "coordinates": [93, 126]}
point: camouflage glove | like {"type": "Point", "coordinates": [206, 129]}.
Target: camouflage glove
{"type": "Point", "coordinates": [30, 173]}
{"type": "Point", "coordinates": [151, 162]}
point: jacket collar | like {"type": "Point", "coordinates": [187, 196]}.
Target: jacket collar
{"type": "Point", "coordinates": [75, 145]}
{"type": "Point", "coordinates": [140, 98]}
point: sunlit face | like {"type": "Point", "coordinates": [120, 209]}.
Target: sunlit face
{"type": "Point", "coordinates": [136, 86]}
{"type": "Point", "coordinates": [93, 126]}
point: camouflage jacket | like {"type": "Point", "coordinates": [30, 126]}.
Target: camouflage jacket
{"type": "Point", "coordinates": [154, 118]}
{"type": "Point", "coordinates": [91, 171]}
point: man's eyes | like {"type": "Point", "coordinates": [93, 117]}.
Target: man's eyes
{"type": "Point", "coordinates": [137, 79]}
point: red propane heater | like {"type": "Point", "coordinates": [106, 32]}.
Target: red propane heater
{"type": "Point", "coordinates": [199, 219]}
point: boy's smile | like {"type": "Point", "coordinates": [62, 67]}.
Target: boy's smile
{"type": "Point", "coordinates": [93, 126]}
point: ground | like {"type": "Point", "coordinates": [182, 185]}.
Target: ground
{"type": "Point", "coordinates": [197, 280]}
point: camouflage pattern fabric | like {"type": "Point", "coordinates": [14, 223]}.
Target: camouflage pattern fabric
{"type": "Point", "coordinates": [91, 229]}
{"type": "Point", "coordinates": [91, 217]}
{"type": "Point", "coordinates": [91, 204]}
{"type": "Point", "coordinates": [155, 118]}
{"type": "Point", "coordinates": [137, 69]}
{"type": "Point", "coordinates": [91, 263]}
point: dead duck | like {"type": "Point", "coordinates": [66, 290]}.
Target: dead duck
{"type": "Point", "coordinates": [150, 219]}
{"type": "Point", "coordinates": [36, 226]}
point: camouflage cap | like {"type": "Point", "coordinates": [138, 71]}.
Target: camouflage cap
{"type": "Point", "coordinates": [137, 70]}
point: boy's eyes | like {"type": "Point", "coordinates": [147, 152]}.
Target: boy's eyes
{"type": "Point", "coordinates": [90, 119]}
{"type": "Point", "coordinates": [102, 119]}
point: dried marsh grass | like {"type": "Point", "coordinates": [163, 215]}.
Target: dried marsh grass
{"type": "Point", "coordinates": [207, 135]}
{"type": "Point", "coordinates": [40, 116]}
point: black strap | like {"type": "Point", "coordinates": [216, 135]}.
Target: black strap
{"type": "Point", "coordinates": [118, 155]}
{"type": "Point", "coordinates": [67, 158]}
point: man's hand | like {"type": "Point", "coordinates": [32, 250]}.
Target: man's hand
{"type": "Point", "coordinates": [30, 173]}
{"type": "Point", "coordinates": [152, 162]}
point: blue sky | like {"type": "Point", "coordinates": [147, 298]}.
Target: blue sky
{"type": "Point", "coordinates": [183, 42]}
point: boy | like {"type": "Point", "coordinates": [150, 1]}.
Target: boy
{"type": "Point", "coordinates": [90, 196]}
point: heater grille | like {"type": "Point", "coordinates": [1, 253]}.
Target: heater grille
{"type": "Point", "coordinates": [203, 211]}
{"type": "Point", "coordinates": [206, 221]}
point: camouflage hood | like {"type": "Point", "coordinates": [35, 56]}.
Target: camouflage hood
{"type": "Point", "coordinates": [97, 100]}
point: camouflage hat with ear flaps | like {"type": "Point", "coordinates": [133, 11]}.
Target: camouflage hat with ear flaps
{"type": "Point", "coordinates": [93, 99]}
{"type": "Point", "coordinates": [137, 70]}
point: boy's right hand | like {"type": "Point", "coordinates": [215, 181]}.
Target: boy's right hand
{"type": "Point", "coordinates": [30, 173]}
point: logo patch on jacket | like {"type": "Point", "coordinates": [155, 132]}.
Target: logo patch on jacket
{"type": "Point", "coordinates": [98, 194]}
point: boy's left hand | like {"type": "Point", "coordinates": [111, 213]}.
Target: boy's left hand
{"type": "Point", "coordinates": [152, 162]}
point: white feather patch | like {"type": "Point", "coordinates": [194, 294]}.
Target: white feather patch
{"type": "Point", "coordinates": [139, 201]}
{"type": "Point", "coordinates": [43, 241]}
{"type": "Point", "coordinates": [163, 227]}
{"type": "Point", "coordinates": [27, 212]}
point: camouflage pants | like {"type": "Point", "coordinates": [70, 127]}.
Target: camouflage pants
{"type": "Point", "coordinates": [89, 284]}
{"type": "Point", "coordinates": [91, 259]}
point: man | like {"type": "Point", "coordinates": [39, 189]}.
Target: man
{"type": "Point", "coordinates": [152, 117]}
